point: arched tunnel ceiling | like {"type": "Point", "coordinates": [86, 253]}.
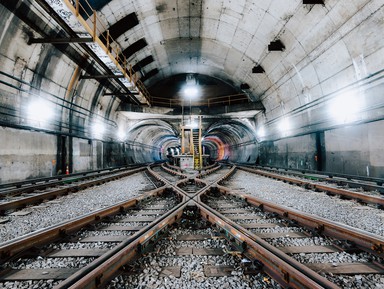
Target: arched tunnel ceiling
{"type": "Point", "coordinates": [281, 53]}
{"type": "Point", "coordinates": [286, 56]}
{"type": "Point", "coordinates": [227, 39]}
{"type": "Point", "coordinates": [156, 133]}
{"type": "Point", "coordinates": [223, 39]}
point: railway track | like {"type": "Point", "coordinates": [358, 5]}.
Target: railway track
{"type": "Point", "coordinates": [306, 239]}
{"type": "Point", "coordinates": [192, 255]}
{"type": "Point", "coordinates": [352, 181]}
{"type": "Point", "coordinates": [317, 184]}
{"type": "Point", "coordinates": [14, 188]}
{"type": "Point", "coordinates": [17, 196]}
{"type": "Point", "coordinates": [205, 225]}
{"type": "Point", "coordinates": [72, 245]}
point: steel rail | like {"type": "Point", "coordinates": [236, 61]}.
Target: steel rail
{"type": "Point", "coordinates": [300, 172]}
{"type": "Point", "coordinates": [278, 265]}
{"type": "Point", "coordinates": [175, 186]}
{"type": "Point", "coordinates": [107, 266]}
{"type": "Point", "coordinates": [353, 181]}
{"type": "Point", "coordinates": [104, 268]}
{"type": "Point", "coordinates": [282, 268]}
{"type": "Point", "coordinates": [322, 226]}
{"type": "Point", "coordinates": [173, 172]}
{"type": "Point", "coordinates": [342, 192]}
{"type": "Point", "coordinates": [363, 239]}
{"type": "Point", "coordinates": [209, 170]}
{"type": "Point", "coordinates": [38, 198]}
{"type": "Point", "coordinates": [16, 246]}
{"type": "Point", "coordinates": [64, 178]}
{"type": "Point", "coordinates": [178, 169]}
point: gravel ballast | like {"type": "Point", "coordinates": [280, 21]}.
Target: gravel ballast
{"type": "Point", "coordinates": [315, 203]}
{"type": "Point", "coordinates": [192, 267]}
{"type": "Point", "coordinates": [74, 205]}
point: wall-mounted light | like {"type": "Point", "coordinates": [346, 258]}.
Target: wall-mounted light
{"type": "Point", "coordinates": [261, 132]}
{"type": "Point", "coordinates": [244, 86]}
{"type": "Point", "coordinates": [258, 69]}
{"type": "Point", "coordinates": [98, 129]}
{"type": "Point", "coordinates": [121, 135]}
{"type": "Point", "coordinates": [284, 125]}
{"type": "Point", "coordinates": [313, 2]}
{"type": "Point", "coordinates": [344, 108]}
{"type": "Point", "coordinates": [40, 110]}
{"type": "Point", "coordinates": [276, 45]}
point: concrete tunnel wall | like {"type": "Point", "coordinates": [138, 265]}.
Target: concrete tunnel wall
{"type": "Point", "coordinates": [354, 150]}
{"type": "Point", "coordinates": [33, 149]}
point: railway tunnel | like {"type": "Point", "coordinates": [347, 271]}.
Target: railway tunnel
{"type": "Point", "coordinates": [190, 86]}
{"type": "Point", "coordinates": [294, 84]}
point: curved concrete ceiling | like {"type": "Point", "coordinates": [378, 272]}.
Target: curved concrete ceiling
{"type": "Point", "coordinates": [222, 138]}
{"type": "Point", "coordinates": [292, 57]}
{"type": "Point", "coordinates": [304, 52]}
{"type": "Point", "coordinates": [155, 133]}
{"type": "Point", "coordinates": [223, 39]}
{"type": "Point", "coordinates": [281, 52]}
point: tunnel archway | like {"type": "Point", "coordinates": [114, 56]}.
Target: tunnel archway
{"type": "Point", "coordinates": [148, 140]}
{"type": "Point", "coordinates": [233, 140]}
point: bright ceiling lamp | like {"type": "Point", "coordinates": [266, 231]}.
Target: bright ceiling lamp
{"type": "Point", "coordinates": [98, 129]}
{"type": "Point", "coordinates": [344, 108]}
{"type": "Point", "coordinates": [191, 91]}
{"type": "Point", "coordinates": [40, 110]}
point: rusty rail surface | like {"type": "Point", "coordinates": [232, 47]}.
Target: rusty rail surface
{"type": "Point", "coordinates": [330, 175]}
{"type": "Point", "coordinates": [278, 265]}
{"type": "Point", "coordinates": [209, 170]}
{"type": "Point", "coordinates": [281, 267]}
{"type": "Point", "coordinates": [13, 247]}
{"type": "Point", "coordinates": [285, 270]}
{"type": "Point", "coordinates": [367, 241]}
{"type": "Point", "coordinates": [28, 186]}
{"type": "Point", "coordinates": [172, 171]}
{"type": "Point", "coordinates": [108, 265]}
{"type": "Point", "coordinates": [327, 189]}
{"type": "Point", "coordinates": [103, 269]}
{"type": "Point", "coordinates": [70, 188]}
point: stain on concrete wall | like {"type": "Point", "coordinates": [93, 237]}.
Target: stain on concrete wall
{"type": "Point", "coordinates": [296, 153]}
{"type": "Point", "coordinates": [356, 150]}
{"type": "Point", "coordinates": [26, 155]}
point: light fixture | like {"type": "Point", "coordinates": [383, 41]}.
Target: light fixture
{"type": "Point", "coordinates": [40, 110]}
{"type": "Point", "coordinates": [284, 125]}
{"type": "Point", "coordinates": [191, 91]}
{"type": "Point", "coordinates": [344, 108]}
{"type": "Point", "coordinates": [193, 124]}
{"type": "Point", "coordinates": [261, 132]}
{"type": "Point", "coordinates": [121, 134]}
{"type": "Point", "coordinates": [98, 129]}
{"type": "Point", "coordinates": [313, 2]}
{"type": "Point", "coordinates": [258, 69]}
{"type": "Point", "coordinates": [276, 45]}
